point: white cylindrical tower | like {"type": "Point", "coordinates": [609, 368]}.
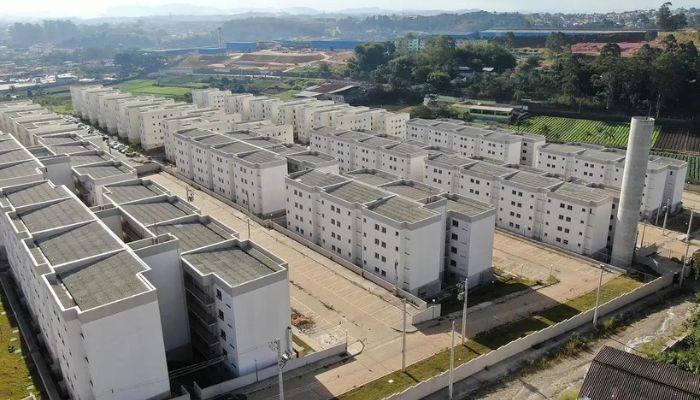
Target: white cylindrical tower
{"type": "Point", "coordinates": [638, 146]}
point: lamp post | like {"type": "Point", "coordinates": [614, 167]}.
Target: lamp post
{"type": "Point", "coordinates": [464, 294]}
{"type": "Point", "coordinates": [282, 358]}
{"type": "Point", "coordinates": [247, 203]}
{"type": "Point", "coordinates": [597, 296]}
{"type": "Point", "coordinates": [452, 360]}
{"type": "Point", "coordinates": [403, 338]}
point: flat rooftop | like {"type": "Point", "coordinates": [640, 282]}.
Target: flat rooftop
{"type": "Point", "coordinates": [311, 157]}
{"type": "Point", "coordinates": [377, 141]}
{"type": "Point", "coordinates": [84, 159]}
{"type": "Point", "coordinates": [450, 160]}
{"type": "Point", "coordinates": [286, 149]}
{"type": "Point", "coordinates": [401, 210]}
{"type": "Point", "coordinates": [103, 282]}
{"type": "Point", "coordinates": [352, 135]}
{"type": "Point", "coordinates": [9, 144]}
{"type": "Point", "coordinates": [192, 133]}
{"type": "Point", "coordinates": [562, 148]}
{"type": "Point", "coordinates": [406, 148]}
{"type": "Point", "coordinates": [603, 155]}
{"type": "Point", "coordinates": [194, 234]}
{"type": "Point", "coordinates": [412, 190]}
{"type": "Point", "coordinates": [153, 212]}
{"type": "Point", "coordinates": [533, 180]}
{"type": "Point", "coordinates": [233, 264]}
{"type": "Point", "coordinates": [235, 148]}
{"type": "Point", "coordinates": [489, 169]}
{"type": "Point", "coordinates": [47, 216]}
{"type": "Point", "coordinates": [79, 242]}
{"type": "Point", "coordinates": [260, 156]}
{"type": "Point", "coordinates": [132, 192]}
{"type": "Point", "coordinates": [582, 193]}
{"type": "Point", "coordinates": [69, 148]}
{"type": "Point", "coordinates": [319, 179]}
{"type": "Point", "coordinates": [372, 177]}
{"type": "Point", "coordinates": [23, 168]}
{"type": "Point", "coordinates": [103, 171]}
{"type": "Point", "coordinates": [263, 141]}
{"type": "Point", "coordinates": [354, 192]}
{"type": "Point", "coordinates": [36, 193]}
{"type": "Point", "coordinates": [468, 207]}
{"type": "Point", "coordinates": [61, 138]}
{"type": "Point", "coordinates": [213, 140]}
{"type": "Point", "coordinates": [14, 155]}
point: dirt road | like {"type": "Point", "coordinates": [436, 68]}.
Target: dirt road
{"type": "Point", "coordinates": [566, 377]}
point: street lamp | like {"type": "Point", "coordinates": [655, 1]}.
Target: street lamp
{"type": "Point", "coordinates": [247, 203]}
{"type": "Point", "coordinates": [282, 359]}
{"type": "Point", "coordinates": [597, 297]}
{"type": "Point", "coordinates": [463, 295]}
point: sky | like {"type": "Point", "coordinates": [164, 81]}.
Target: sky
{"type": "Point", "coordinates": [97, 8]}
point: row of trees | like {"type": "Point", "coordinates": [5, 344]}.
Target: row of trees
{"type": "Point", "coordinates": [437, 65]}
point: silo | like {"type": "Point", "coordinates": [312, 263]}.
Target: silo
{"type": "Point", "coordinates": [633, 178]}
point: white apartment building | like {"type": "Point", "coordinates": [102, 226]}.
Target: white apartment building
{"type": "Point", "coordinates": [266, 128]}
{"type": "Point", "coordinates": [388, 123]}
{"type": "Point", "coordinates": [522, 202]}
{"type": "Point", "coordinates": [367, 154]}
{"type": "Point", "coordinates": [529, 154]}
{"type": "Point", "coordinates": [214, 121]}
{"type": "Point", "coordinates": [577, 218]}
{"type": "Point", "coordinates": [151, 131]}
{"type": "Point", "coordinates": [469, 235]}
{"type": "Point", "coordinates": [87, 292]}
{"type": "Point", "coordinates": [311, 159]}
{"type": "Point", "coordinates": [372, 177]}
{"type": "Point", "coordinates": [210, 98]}
{"type": "Point", "coordinates": [404, 160]}
{"type": "Point", "coordinates": [107, 107]}
{"type": "Point", "coordinates": [443, 171]}
{"type": "Point", "coordinates": [401, 244]}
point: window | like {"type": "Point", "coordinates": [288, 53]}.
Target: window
{"type": "Point", "coordinates": [222, 333]}
{"type": "Point", "coordinates": [221, 315]}
{"type": "Point", "coordinates": [218, 294]}
{"type": "Point", "coordinates": [455, 223]}
{"type": "Point", "coordinates": [455, 236]}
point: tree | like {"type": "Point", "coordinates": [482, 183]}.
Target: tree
{"type": "Point", "coordinates": [369, 56]}
{"type": "Point", "coordinates": [510, 40]}
{"type": "Point", "coordinates": [667, 21]}
{"type": "Point", "coordinates": [556, 41]}
{"type": "Point", "coordinates": [611, 50]}
{"type": "Point", "coordinates": [401, 71]}
{"type": "Point", "coordinates": [324, 70]}
{"type": "Point", "coordinates": [440, 51]}
{"type": "Point", "coordinates": [439, 79]}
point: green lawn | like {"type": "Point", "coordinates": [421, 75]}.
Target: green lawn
{"type": "Point", "coordinates": [558, 129]}
{"type": "Point", "coordinates": [287, 95]}
{"type": "Point", "coordinates": [487, 341]}
{"type": "Point", "coordinates": [16, 380]}
{"type": "Point", "coordinates": [149, 86]}
{"type": "Point", "coordinates": [503, 285]}
{"type": "Point", "coordinates": [307, 349]}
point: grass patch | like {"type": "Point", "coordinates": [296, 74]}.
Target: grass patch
{"type": "Point", "coordinates": [17, 371]}
{"type": "Point", "coordinates": [59, 103]}
{"type": "Point", "coordinates": [149, 86]}
{"type": "Point", "coordinates": [503, 285]}
{"type": "Point", "coordinates": [307, 349]}
{"type": "Point", "coordinates": [570, 393]}
{"type": "Point", "coordinates": [678, 222]}
{"type": "Point", "coordinates": [487, 341]}
{"type": "Point", "coordinates": [286, 95]}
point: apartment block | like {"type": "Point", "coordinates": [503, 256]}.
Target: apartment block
{"type": "Point", "coordinates": [267, 128]}
{"type": "Point", "coordinates": [214, 121]}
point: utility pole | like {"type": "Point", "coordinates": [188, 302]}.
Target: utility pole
{"type": "Point", "coordinates": [403, 338]}
{"type": "Point", "coordinates": [247, 203]}
{"type": "Point", "coordinates": [452, 360]}
{"type": "Point", "coordinates": [644, 230]}
{"type": "Point", "coordinates": [666, 209]}
{"type": "Point", "coordinates": [282, 358]}
{"type": "Point", "coordinates": [687, 249]}
{"type": "Point", "coordinates": [465, 294]}
{"type": "Point", "coordinates": [597, 296]}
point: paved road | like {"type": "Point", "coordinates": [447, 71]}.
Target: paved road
{"type": "Point", "coordinates": [340, 300]}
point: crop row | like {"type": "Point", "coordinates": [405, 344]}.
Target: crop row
{"type": "Point", "coordinates": [558, 129]}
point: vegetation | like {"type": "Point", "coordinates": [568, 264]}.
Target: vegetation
{"type": "Point", "coordinates": [59, 103]}
{"type": "Point", "coordinates": [138, 63]}
{"type": "Point", "coordinates": [558, 129]}
{"type": "Point", "coordinates": [665, 79]}
{"type": "Point", "coordinates": [19, 378]}
{"type": "Point", "coordinates": [307, 349]}
{"type": "Point", "coordinates": [668, 21]}
{"type": "Point", "coordinates": [487, 341]}
{"type": "Point", "coordinates": [149, 86]}
{"type": "Point", "coordinates": [503, 285]}
{"type": "Point", "coordinates": [687, 355]}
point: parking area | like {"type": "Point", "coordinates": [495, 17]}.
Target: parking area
{"type": "Point", "coordinates": [340, 301]}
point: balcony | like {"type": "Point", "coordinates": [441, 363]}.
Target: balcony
{"type": "Point", "coordinates": [198, 293]}
{"type": "Point", "coordinates": [204, 334]}
{"type": "Point", "coordinates": [201, 313]}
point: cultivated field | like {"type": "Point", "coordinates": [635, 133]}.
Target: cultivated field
{"type": "Point", "coordinates": [558, 129]}
{"type": "Point", "coordinates": [678, 139]}
{"type": "Point", "coordinates": [265, 60]}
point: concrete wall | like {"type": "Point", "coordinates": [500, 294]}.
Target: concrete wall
{"type": "Point", "coordinates": [474, 366]}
